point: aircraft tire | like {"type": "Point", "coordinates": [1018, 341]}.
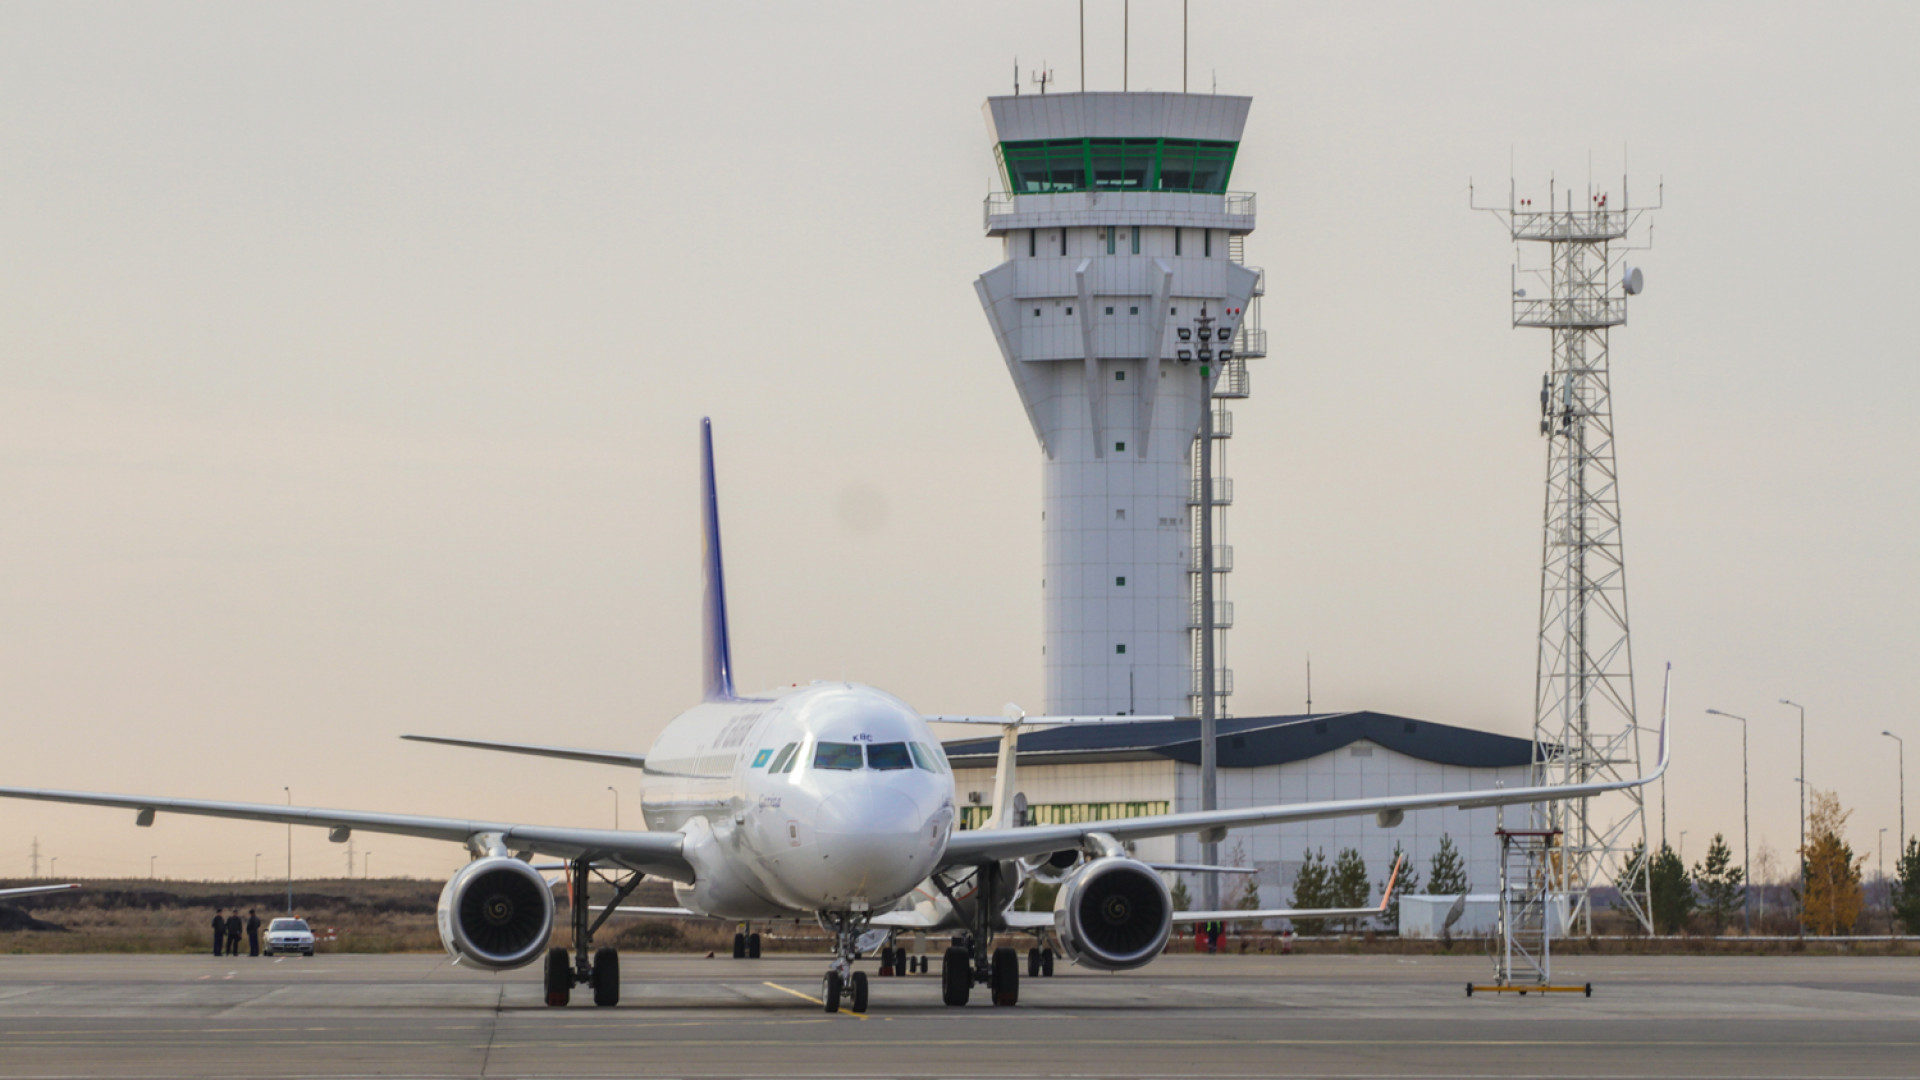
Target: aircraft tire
{"type": "Point", "coordinates": [859, 988]}
{"type": "Point", "coordinates": [739, 946]}
{"type": "Point", "coordinates": [956, 977]}
{"type": "Point", "coordinates": [606, 978]}
{"type": "Point", "coordinates": [1033, 963]}
{"type": "Point", "coordinates": [830, 988]}
{"type": "Point", "coordinates": [1006, 977]}
{"type": "Point", "coordinates": [753, 946]}
{"type": "Point", "coordinates": [1046, 963]}
{"type": "Point", "coordinates": [559, 978]}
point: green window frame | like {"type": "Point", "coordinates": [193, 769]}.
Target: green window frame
{"type": "Point", "coordinates": [1042, 166]}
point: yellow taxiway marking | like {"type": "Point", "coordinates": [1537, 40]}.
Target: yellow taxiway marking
{"type": "Point", "coordinates": [810, 997]}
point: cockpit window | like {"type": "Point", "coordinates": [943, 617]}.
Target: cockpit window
{"type": "Point", "coordinates": [783, 762]}
{"type": "Point", "coordinates": [889, 755]}
{"type": "Point", "coordinates": [836, 755]}
{"type": "Point", "coordinates": [928, 758]}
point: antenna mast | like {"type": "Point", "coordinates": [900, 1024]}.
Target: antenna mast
{"type": "Point", "coordinates": [1585, 725]}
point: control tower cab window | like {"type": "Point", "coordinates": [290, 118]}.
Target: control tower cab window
{"type": "Point", "coordinates": [837, 755]}
{"type": "Point", "coordinates": [1040, 166]}
{"type": "Point", "coordinates": [889, 755]}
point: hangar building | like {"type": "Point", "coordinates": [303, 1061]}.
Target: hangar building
{"type": "Point", "coordinates": [1118, 769]}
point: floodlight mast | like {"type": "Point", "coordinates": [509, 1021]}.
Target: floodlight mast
{"type": "Point", "coordinates": [1586, 726]}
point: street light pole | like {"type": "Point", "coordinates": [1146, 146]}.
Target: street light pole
{"type": "Point", "coordinates": [1683, 847]}
{"type": "Point", "coordinates": [1746, 863]}
{"type": "Point", "coordinates": [289, 792]}
{"type": "Point", "coordinates": [54, 870]}
{"type": "Point", "coordinates": [256, 866]}
{"type": "Point", "coordinates": [150, 860]}
{"type": "Point", "coordinates": [1883, 877]}
{"type": "Point", "coordinates": [616, 807]}
{"type": "Point", "coordinates": [1203, 350]}
{"type": "Point", "coordinates": [1900, 842]}
{"type": "Point", "coordinates": [1803, 791]}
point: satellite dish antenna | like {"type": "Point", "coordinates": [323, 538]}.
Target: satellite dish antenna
{"type": "Point", "coordinates": [1634, 281]}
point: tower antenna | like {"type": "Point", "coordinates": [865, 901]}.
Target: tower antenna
{"type": "Point", "coordinates": [1585, 726]}
{"type": "Point", "coordinates": [1126, 39]}
{"type": "Point", "coordinates": [1183, 46]}
{"type": "Point", "coordinates": [1042, 77]}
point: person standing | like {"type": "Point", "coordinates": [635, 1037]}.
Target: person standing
{"type": "Point", "coordinates": [233, 933]}
{"type": "Point", "coordinates": [219, 930]}
{"type": "Point", "coordinates": [253, 933]}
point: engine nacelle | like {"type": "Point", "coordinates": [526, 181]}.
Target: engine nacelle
{"type": "Point", "coordinates": [1113, 914]}
{"type": "Point", "coordinates": [496, 913]}
{"type": "Point", "coordinates": [1053, 869]}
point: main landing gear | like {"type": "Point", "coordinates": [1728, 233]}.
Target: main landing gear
{"type": "Point", "coordinates": [746, 945]}
{"type": "Point", "coordinates": [971, 961]}
{"type": "Point", "coordinates": [597, 969]}
{"type": "Point", "coordinates": [841, 982]}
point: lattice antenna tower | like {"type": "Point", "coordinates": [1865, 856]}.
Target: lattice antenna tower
{"type": "Point", "coordinates": [1586, 726]}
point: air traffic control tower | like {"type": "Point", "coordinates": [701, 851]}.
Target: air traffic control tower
{"type": "Point", "coordinates": [1122, 283]}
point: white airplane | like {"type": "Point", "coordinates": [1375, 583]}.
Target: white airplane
{"type": "Point", "coordinates": [832, 800]}
{"type": "Point", "coordinates": [35, 890]}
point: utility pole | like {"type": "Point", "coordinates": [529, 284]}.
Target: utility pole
{"type": "Point", "coordinates": [289, 792]}
{"type": "Point", "coordinates": [1900, 842]}
{"type": "Point", "coordinates": [36, 856]}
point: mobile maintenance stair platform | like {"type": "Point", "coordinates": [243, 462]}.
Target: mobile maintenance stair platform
{"type": "Point", "coordinates": [1523, 955]}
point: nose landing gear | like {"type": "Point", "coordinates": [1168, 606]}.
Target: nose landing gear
{"type": "Point", "coordinates": [841, 980]}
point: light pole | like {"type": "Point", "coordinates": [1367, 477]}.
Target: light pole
{"type": "Point", "coordinates": [1883, 877]}
{"type": "Point", "coordinates": [366, 865]}
{"type": "Point", "coordinates": [616, 807]}
{"type": "Point", "coordinates": [289, 792]}
{"type": "Point", "coordinates": [1803, 789]}
{"type": "Point", "coordinates": [1900, 842]}
{"type": "Point", "coordinates": [1187, 349]}
{"type": "Point", "coordinates": [150, 860]}
{"type": "Point", "coordinates": [1746, 864]}
{"type": "Point", "coordinates": [54, 869]}
{"type": "Point", "coordinates": [256, 866]}
{"type": "Point", "coordinates": [1683, 847]}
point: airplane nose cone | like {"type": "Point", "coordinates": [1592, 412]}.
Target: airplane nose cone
{"type": "Point", "coordinates": [876, 842]}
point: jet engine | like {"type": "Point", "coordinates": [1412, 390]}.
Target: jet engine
{"type": "Point", "coordinates": [1113, 914]}
{"type": "Point", "coordinates": [496, 913]}
{"type": "Point", "coordinates": [1052, 869]}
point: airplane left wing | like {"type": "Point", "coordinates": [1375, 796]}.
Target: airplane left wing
{"type": "Point", "coordinates": [35, 890]}
{"type": "Point", "coordinates": [980, 846]}
{"type": "Point", "coordinates": [655, 853]}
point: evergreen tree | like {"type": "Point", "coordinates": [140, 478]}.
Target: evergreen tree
{"type": "Point", "coordinates": [1182, 899]}
{"type": "Point", "coordinates": [1349, 884]}
{"type": "Point", "coordinates": [1905, 897]}
{"type": "Point", "coordinates": [1249, 898]}
{"type": "Point", "coordinates": [1409, 882]}
{"type": "Point", "coordinates": [1722, 885]}
{"type": "Point", "coordinates": [1833, 898]}
{"type": "Point", "coordinates": [1447, 873]}
{"type": "Point", "coordinates": [1312, 888]}
{"type": "Point", "coordinates": [1672, 891]}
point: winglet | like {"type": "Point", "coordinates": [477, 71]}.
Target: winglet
{"type": "Point", "coordinates": [1666, 725]}
{"type": "Point", "coordinates": [717, 680]}
{"type": "Point", "coordinates": [1387, 897]}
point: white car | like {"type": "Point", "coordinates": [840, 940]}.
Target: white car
{"type": "Point", "coordinates": [289, 936]}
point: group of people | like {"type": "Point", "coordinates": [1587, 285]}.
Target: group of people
{"type": "Point", "coordinates": [226, 932]}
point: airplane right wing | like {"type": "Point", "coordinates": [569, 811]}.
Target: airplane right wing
{"type": "Point", "coordinates": [979, 846]}
{"type": "Point", "coordinates": [35, 890]}
{"type": "Point", "coordinates": [1243, 914]}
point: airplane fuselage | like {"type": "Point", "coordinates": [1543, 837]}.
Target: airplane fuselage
{"type": "Point", "coordinates": [827, 797]}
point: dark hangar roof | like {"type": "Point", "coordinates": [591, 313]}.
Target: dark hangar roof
{"type": "Point", "coordinates": [1249, 742]}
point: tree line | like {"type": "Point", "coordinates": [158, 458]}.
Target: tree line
{"type": "Point", "coordinates": [1829, 891]}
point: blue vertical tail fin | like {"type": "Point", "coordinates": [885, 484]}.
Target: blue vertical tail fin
{"type": "Point", "coordinates": [717, 676]}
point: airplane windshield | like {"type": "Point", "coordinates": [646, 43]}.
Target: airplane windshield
{"type": "Point", "coordinates": [890, 755]}
{"type": "Point", "coordinates": [836, 755]}
{"type": "Point", "coordinates": [924, 757]}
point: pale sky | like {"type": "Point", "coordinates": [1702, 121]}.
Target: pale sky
{"type": "Point", "coordinates": [351, 361]}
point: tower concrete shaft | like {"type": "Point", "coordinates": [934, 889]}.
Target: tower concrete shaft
{"type": "Point", "coordinates": [1117, 231]}
{"type": "Point", "coordinates": [1586, 724]}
